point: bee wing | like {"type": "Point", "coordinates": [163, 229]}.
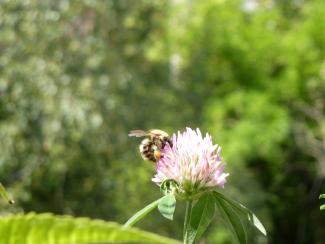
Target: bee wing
{"type": "Point", "coordinates": [138, 133]}
{"type": "Point", "coordinates": [157, 132]}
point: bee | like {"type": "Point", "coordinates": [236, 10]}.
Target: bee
{"type": "Point", "coordinates": [150, 147]}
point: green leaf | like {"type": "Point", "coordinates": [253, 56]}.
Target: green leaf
{"type": "Point", "coordinates": [142, 213]}
{"type": "Point", "coordinates": [49, 229]}
{"type": "Point", "coordinates": [232, 218]}
{"type": "Point", "coordinates": [322, 207]}
{"type": "Point", "coordinates": [4, 194]}
{"type": "Point", "coordinates": [166, 206]}
{"type": "Point", "coordinates": [201, 216]}
{"type": "Point", "coordinates": [248, 214]}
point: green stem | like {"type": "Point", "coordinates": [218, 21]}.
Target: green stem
{"type": "Point", "coordinates": [187, 220]}
{"type": "Point", "coordinates": [4, 194]}
{"type": "Point", "coordinates": [142, 213]}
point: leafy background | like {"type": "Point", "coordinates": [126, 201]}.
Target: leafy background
{"type": "Point", "coordinates": [76, 76]}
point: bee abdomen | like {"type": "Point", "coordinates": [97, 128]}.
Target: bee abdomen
{"type": "Point", "coordinates": [146, 150]}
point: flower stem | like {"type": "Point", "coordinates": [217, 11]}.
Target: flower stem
{"type": "Point", "coordinates": [142, 213]}
{"type": "Point", "coordinates": [187, 220]}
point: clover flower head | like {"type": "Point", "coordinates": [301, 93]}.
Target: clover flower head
{"type": "Point", "coordinates": [192, 162]}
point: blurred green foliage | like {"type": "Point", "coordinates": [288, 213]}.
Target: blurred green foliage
{"type": "Point", "coordinates": [47, 228]}
{"type": "Point", "coordinates": [76, 76]}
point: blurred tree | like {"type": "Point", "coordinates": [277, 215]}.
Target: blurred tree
{"type": "Point", "coordinates": [74, 78]}
{"type": "Point", "coordinates": [256, 81]}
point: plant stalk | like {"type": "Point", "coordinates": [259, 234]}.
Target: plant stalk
{"type": "Point", "coordinates": [142, 213]}
{"type": "Point", "coordinates": [187, 221]}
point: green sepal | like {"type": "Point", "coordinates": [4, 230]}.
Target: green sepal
{"type": "Point", "coordinates": [168, 187]}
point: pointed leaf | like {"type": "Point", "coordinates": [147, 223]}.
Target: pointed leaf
{"type": "Point", "coordinates": [230, 216]}
{"type": "Point", "coordinates": [256, 222]}
{"type": "Point", "coordinates": [166, 206]}
{"type": "Point", "coordinates": [249, 215]}
{"type": "Point", "coordinates": [201, 216]}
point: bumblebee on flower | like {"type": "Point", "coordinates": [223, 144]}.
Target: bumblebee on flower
{"type": "Point", "coordinates": [190, 168]}
{"type": "Point", "coordinates": [193, 163]}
